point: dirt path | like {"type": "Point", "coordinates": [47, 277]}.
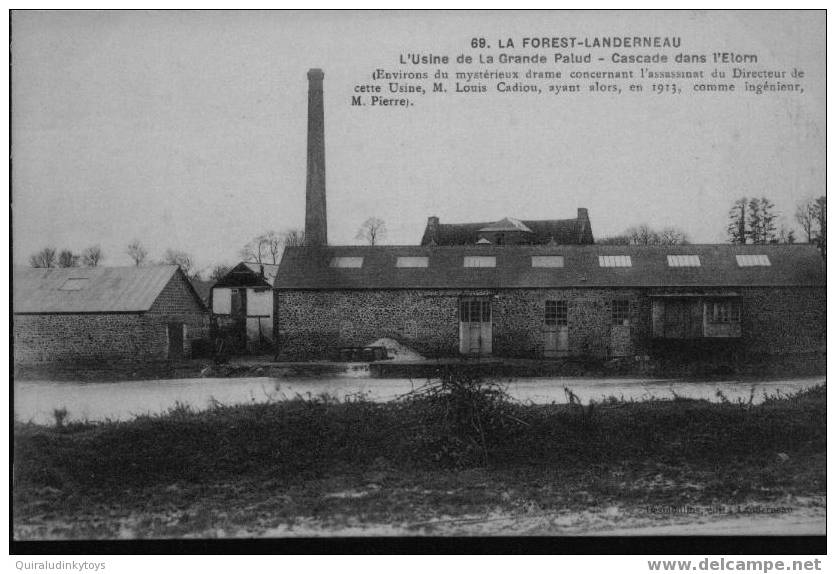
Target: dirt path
{"type": "Point", "coordinates": [806, 516]}
{"type": "Point", "coordinates": [612, 521]}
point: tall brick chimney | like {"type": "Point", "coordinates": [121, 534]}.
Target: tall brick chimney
{"type": "Point", "coordinates": [584, 227]}
{"type": "Point", "coordinates": [316, 224]}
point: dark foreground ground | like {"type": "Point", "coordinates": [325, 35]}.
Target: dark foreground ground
{"type": "Point", "coordinates": [457, 460]}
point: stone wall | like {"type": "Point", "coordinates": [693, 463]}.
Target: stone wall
{"type": "Point", "coordinates": [178, 303]}
{"type": "Point", "coordinates": [787, 320]}
{"type": "Point", "coordinates": [110, 336]}
{"type": "Point", "coordinates": [69, 337]}
{"type": "Point", "coordinates": [310, 323]}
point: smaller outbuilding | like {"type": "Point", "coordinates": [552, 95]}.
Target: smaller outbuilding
{"type": "Point", "coordinates": [107, 313]}
{"type": "Point", "coordinates": [242, 306]}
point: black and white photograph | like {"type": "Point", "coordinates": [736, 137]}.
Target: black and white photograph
{"type": "Point", "coordinates": [412, 275]}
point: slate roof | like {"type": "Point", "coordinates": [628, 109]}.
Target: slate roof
{"type": "Point", "coordinates": [248, 274]}
{"type": "Point", "coordinates": [107, 289]}
{"type": "Point", "coordinates": [202, 288]}
{"type": "Point", "coordinates": [561, 231]}
{"type": "Point", "coordinates": [308, 267]}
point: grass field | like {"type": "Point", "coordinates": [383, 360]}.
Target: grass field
{"type": "Point", "coordinates": [460, 458]}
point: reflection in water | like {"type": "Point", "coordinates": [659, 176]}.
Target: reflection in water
{"type": "Point", "coordinates": [35, 401]}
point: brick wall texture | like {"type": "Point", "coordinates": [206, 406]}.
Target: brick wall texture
{"type": "Point", "coordinates": [310, 323]}
{"type": "Point", "coordinates": [112, 336]}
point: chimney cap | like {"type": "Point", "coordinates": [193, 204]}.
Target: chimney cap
{"type": "Point", "coordinates": [315, 74]}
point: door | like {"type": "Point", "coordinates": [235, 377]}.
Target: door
{"type": "Point", "coordinates": [238, 312]}
{"type": "Point", "coordinates": [677, 319]}
{"type": "Point", "coordinates": [175, 341]}
{"type": "Point", "coordinates": [556, 329]}
{"type": "Point", "coordinates": [620, 337]}
{"type": "Point", "coordinates": [683, 319]}
{"type": "Point", "coordinates": [238, 304]}
{"type": "Point", "coordinates": [475, 328]}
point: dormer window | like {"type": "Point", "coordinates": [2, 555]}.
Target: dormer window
{"type": "Point", "coordinates": [547, 261]}
{"type": "Point", "coordinates": [683, 260]}
{"type": "Point", "coordinates": [615, 261]}
{"type": "Point", "coordinates": [753, 261]}
{"type": "Point", "coordinates": [347, 262]}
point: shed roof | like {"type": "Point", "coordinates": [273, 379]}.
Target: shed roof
{"type": "Point", "coordinates": [95, 289]}
{"type": "Point", "coordinates": [309, 267]}
{"type": "Point", "coordinates": [248, 274]}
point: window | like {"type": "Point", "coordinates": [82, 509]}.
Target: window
{"type": "Point", "coordinates": [557, 313]}
{"type": "Point", "coordinates": [347, 262]}
{"type": "Point", "coordinates": [74, 284]}
{"type": "Point", "coordinates": [614, 261]}
{"type": "Point", "coordinates": [475, 311]}
{"type": "Point", "coordinates": [725, 312]}
{"type": "Point", "coordinates": [683, 260]}
{"type": "Point", "coordinates": [412, 262]}
{"type": "Point", "coordinates": [547, 261]}
{"type": "Point", "coordinates": [753, 261]}
{"type": "Point", "coordinates": [479, 261]}
{"type": "Point", "coordinates": [620, 312]}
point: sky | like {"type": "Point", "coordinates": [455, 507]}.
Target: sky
{"type": "Point", "coordinates": [187, 130]}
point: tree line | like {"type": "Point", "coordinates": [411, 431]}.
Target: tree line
{"type": "Point", "coordinates": [50, 257]}
{"type": "Point", "coordinates": [753, 220]}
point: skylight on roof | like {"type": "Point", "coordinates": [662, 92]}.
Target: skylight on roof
{"type": "Point", "coordinates": [74, 284]}
{"type": "Point", "coordinates": [753, 261]}
{"type": "Point", "coordinates": [614, 261]}
{"type": "Point", "coordinates": [683, 260]}
{"type": "Point", "coordinates": [547, 260]}
{"type": "Point", "coordinates": [347, 262]}
{"type": "Point", "coordinates": [412, 262]}
{"type": "Point", "coordinates": [479, 261]}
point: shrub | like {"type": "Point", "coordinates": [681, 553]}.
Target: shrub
{"type": "Point", "coordinates": [462, 417]}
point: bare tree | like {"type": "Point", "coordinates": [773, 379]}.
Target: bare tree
{"type": "Point", "coordinates": [43, 258]}
{"type": "Point", "coordinates": [820, 220]}
{"type": "Point", "coordinates": [642, 235]}
{"type": "Point", "coordinates": [92, 256]}
{"type": "Point", "coordinates": [268, 247]}
{"type": "Point", "coordinates": [253, 251]}
{"type": "Point", "coordinates": [672, 236]}
{"type": "Point", "coordinates": [373, 231]}
{"type": "Point", "coordinates": [294, 238]}
{"type": "Point", "coordinates": [805, 216]}
{"type": "Point", "coordinates": [274, 244]}
{"type": "Point", "coordinates": [645, 235]}
{"type": "Point", "coordinates": [67, 258]}
{"type": "Point", "coordinates": [137, 252]}
{"type": "Point", "coordinates": [182, 259]}
{"type": "Point", "coordinates": [264, 248]}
